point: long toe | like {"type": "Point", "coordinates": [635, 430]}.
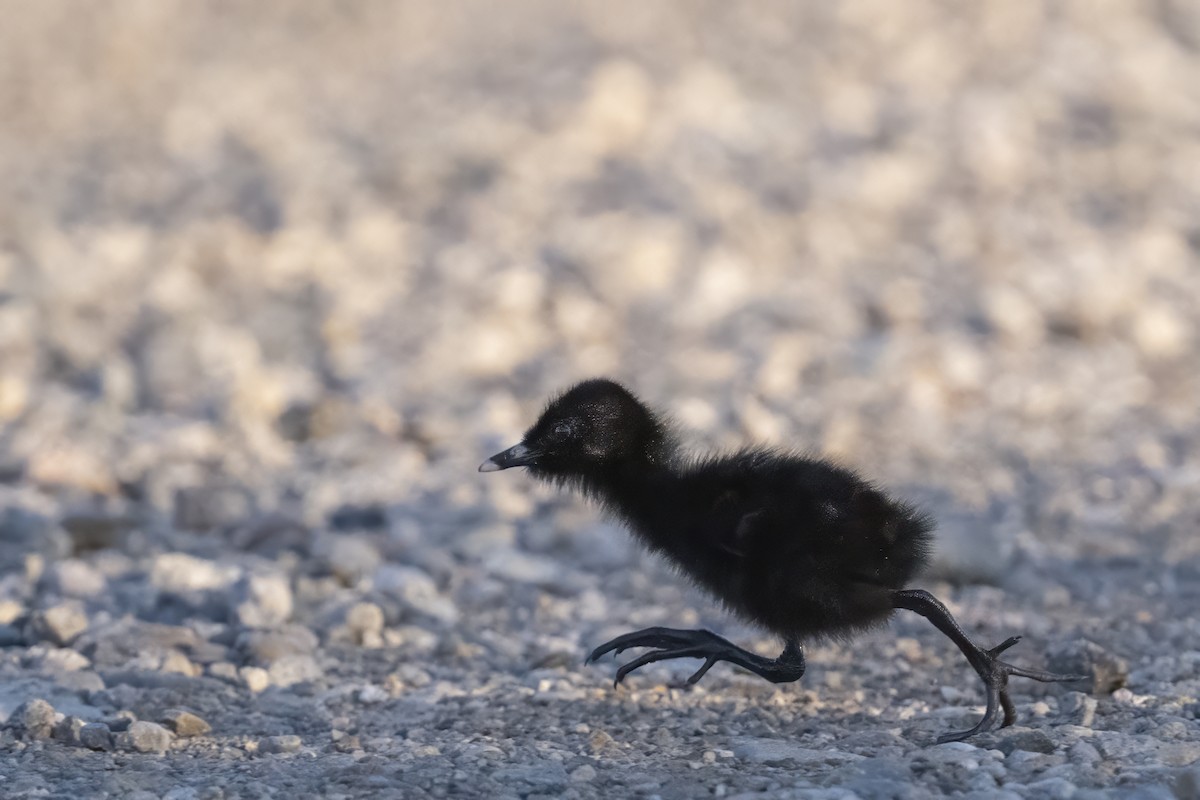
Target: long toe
{"type": "Point", "coordinates": [655, 655]}
{"type": "Point", "coordinates": [1039, 674]}
{"type": "Point", "coordinates": [662, 638]}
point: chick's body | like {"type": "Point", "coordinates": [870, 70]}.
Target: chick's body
{"type": "Point", "coordinates": [799, 546]}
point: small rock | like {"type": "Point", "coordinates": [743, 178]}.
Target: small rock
{"type": "Point", "coordinates": [364, 619]}
{"type": "Point", "coordinates": [272, 534]}
{"type": "Point", "coordinates": [546, 778]}
{"type": "Point", "coordinates": [356, 517]}
{"type": "Point", "coordinates": [1029, 740]}
{"type": "Point", "coordinates": [120, 722]}
{"type": "Point", "coordinates": [72, 577]}
{"type": "Point", "coordinates": [408, 675]}
{"type": "Point", "coordinates": [96, 736]}
{"type": "Point", "coordinates": [202, 508]}
{"type": "Point", "coordinates": [256, 679]}
{"type": "Point", "coordinates": [1083, 753]}
{"type": "Point", "coordinates": [59, 624]}
{"type": "Point", "coordinates": [266, 647]}
{"type": "Point", "coordinates": [345, 743]}
{"type": "Point", "coordinates": [272, 745]}
{"type": "Point", "coordinates": [349, 558]}
{"type": "Point", "coordinates": [416, 590]}
{"type": "Point", "coordinates": [583, 774]}
{"type": "Point", "coordinates": [1078, 708]}
{"type": "Point", "coordinates": [1161, 332]}
{"type": "Point", "coordinates": [145, 737]}
{"type": "Point", "coordinates": [11, 636]}
{"type": "Point", "coordinates": [62, 659]}
{"type": "Point", "coordinates": [67, 730]}
{"type": "Point", "coordinates": [34, 719]}
{"type": "Point", "coordinates": [514, 565]}
{"type": "Point", "coordinates": [184, 723]}
{"type": "Point", "coordinates": [180, 572]}
{"type": "Point", "coordinates": [601, 743]}
{"type": "Point", "coordinates": [372, 694]}
{"type": "Point", "coordinates": [290, 670]}
{"type": "Point", "coordinates": [95, 531]}
{"type": "Point", "coordinates": [263, 601]}
{"type": "Point", "coordinates": [11, 611]}
{"type": "Point", "coordinates": [176, 662]}
{"type": "Point", "coordinates": [224, 670]}
{"type": "Point", "coordinates": [1109, 672]}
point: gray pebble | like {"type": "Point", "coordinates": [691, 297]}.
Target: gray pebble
{"type": "Point", "coordinates": [514, 565]}
{"type": "Point", "coordinates": [11, 636]}
{"type": "Point", "coordinates": [1033, 741]}
{"type": "Point", "coordinates": [34, 719]}
{"type": "Point", "coordinates": [96, 531]}
{"type": "Point", "coordinates": [272, 745]}
{"type": "Point", "coordinates": [290, 670]}
{"type": "Point", "coordinates": [67, 730]}
{"type": "Point", "coordinates": [96, 736]}
{"type": "Point", "coordinates": [203, 508]}
{"type": "Point", "coordinates": [349, 557]}
{"type": "Point", "coordinates": [416, 591]}
{"type": "Point", "coordinates": [267, 646]}
{"type": "Point", "coordinates": [145, 737]}
{"type": "Point", "coordinates": [1083, 752]}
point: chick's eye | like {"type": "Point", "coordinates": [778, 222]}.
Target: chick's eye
{"type": "Point", "coordinates": [561, 431]}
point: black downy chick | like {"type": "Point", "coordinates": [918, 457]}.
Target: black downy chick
{"type": "Point", "coordinates": [801, 547]}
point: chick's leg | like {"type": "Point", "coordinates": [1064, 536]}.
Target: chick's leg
{"type": "Point", "coordinates": [994, 672]}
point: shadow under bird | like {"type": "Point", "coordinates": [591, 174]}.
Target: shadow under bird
{"type": "Point", "coordinates": [801, 547]}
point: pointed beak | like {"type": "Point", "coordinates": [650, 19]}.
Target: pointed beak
{"type": "Point", "coordinates": [516, 456]}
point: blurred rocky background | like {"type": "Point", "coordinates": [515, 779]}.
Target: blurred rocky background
{"type": "Point", "coordinates": [275, 277]}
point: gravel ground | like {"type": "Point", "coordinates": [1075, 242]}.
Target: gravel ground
{"type": "Point", "coordinates": [275, 277]}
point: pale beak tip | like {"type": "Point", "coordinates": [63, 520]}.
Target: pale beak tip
{"type": "Point", "coordinates": [489, 466]}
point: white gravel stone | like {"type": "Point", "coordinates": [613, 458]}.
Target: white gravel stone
{"type": "Point", "coordinates": [59, 624]}
{"type": "Point", "coordinates": [180, 572]}
{"type": "Point", "coordinates": [263, 601]}
{"type": "Point", "coordinates": [73, 577]}
{"type": "Point", "coordinates": [35, 718]}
